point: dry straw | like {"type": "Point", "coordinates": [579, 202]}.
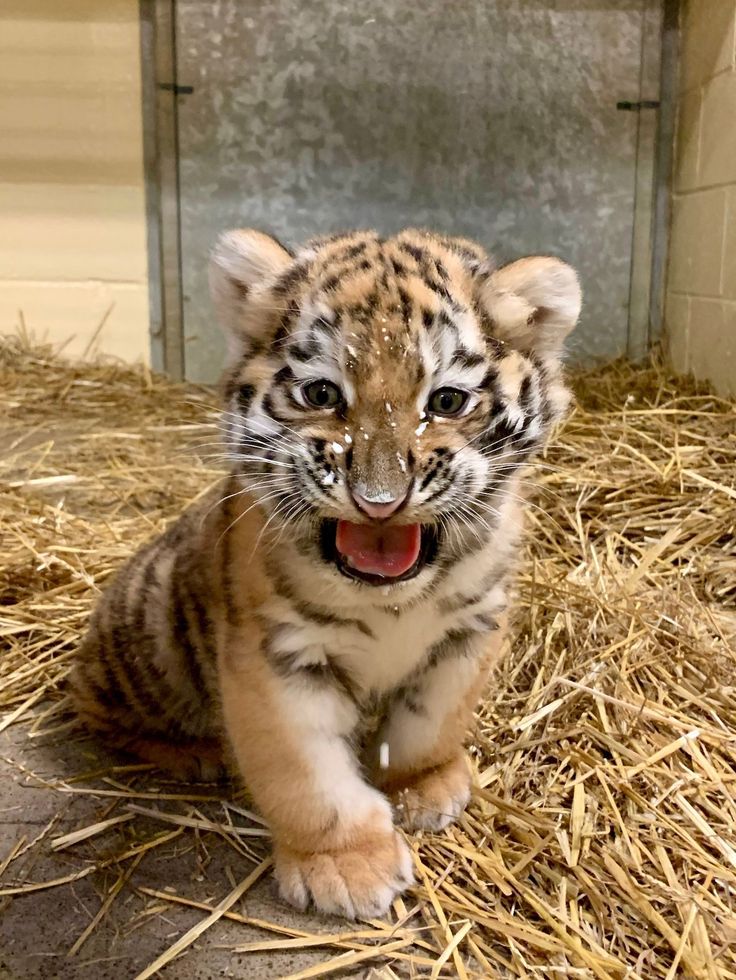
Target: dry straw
{"type": "Point", "coordinates": [600, 838]}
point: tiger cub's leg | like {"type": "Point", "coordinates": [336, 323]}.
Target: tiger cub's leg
{"type": "Point", "coordinates": [334, 839]}
{"type": "Point", "coordinates": [428, 776]}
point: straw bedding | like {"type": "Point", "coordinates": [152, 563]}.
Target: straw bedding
{"type": "Point", "coordinates": [600, 841]}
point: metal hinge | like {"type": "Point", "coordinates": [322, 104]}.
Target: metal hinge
{"type": "Point", "coordinates": [637, 106]}
{"type": "Point", "coordinates": [176, 89]}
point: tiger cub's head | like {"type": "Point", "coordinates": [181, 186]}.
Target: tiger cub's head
{"type": "Point", "coordinates": [382, 392]}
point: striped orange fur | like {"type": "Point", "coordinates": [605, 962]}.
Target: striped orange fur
{"type": "Point", "coordinates": [325, 625]}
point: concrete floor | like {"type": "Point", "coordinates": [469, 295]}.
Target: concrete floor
{"type": "Point", "coordinates": [37, 929]}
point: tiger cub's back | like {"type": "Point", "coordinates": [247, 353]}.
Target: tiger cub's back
{"type": "Point", "coordinates": [147, 665]}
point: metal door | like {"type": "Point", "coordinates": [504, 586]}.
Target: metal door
{"type": "Point", "coordinates": [494, 119]}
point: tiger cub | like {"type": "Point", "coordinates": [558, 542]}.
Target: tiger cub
{"type": "Point", "coordinates": [332, 615]}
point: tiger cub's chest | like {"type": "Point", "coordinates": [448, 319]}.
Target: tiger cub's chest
{"type": "Point", "coordinates": [375, 650]}
{"type": "Point", "coordinates": [399, 643]}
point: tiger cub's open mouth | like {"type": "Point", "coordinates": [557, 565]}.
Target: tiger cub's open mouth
{"type": "Point", "coordinates": [378, 554]}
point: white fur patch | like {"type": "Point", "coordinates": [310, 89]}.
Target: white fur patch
{"type": "Point", "coordinates": [321, 719]}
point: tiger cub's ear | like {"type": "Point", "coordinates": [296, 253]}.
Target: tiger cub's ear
{"type": "Point", "coordinates": [534, 303]}
{"type": "Point", "coordinates": [241, 261]}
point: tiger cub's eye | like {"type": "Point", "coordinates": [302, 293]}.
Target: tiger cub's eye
{"type": "Point", "coordinates": [322, 394]}
{"type": "Point", "coordinates": [447, 401]}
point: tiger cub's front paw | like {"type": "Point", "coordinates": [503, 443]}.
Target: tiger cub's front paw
{"type": "Point", "coordinates": [357, 881]}
{"type": "Point", "coordinates": [433, 798]}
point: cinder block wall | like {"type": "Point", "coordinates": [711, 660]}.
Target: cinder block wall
{"type": "Point", "coordinates": [72, 209]}
{"type": "Point", "coordinates": [700, 309]}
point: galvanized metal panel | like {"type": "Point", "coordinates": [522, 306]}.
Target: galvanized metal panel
{"type": "Point", "coordinates": [495, 120]}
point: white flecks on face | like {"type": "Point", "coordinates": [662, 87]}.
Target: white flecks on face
{"type": "Point", "coordinates": [337, 448]}
{"type": "Point", "coordinates": [419, 431]}
{"type": "Point", "coordinates": [376, 496]}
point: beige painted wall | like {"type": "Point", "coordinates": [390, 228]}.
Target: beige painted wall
{"type": "Point", "coordinates": [72, 209]}
{"type": "Point", "coordinates": [700, 310]}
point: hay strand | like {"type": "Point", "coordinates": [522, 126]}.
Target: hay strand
{"type": "Point", "coordinates": [193, 934]}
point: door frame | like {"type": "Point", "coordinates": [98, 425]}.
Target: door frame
{"type": "Point", "coordinates": [160, 94]}
{"type": "Point", "coordinates": [162, 88]}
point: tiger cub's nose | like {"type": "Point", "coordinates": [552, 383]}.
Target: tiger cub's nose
{"type": "Point", "coordinates": [379, 505]}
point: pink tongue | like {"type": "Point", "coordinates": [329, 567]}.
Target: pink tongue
{"type": "Point", "coordinates": [387, 551]}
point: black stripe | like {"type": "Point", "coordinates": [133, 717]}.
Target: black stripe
{"type": "Point", "coordinates": [109, 693]}
{"type": "Point", "coordinates": [453, 644]}
{"type": "Point", "coordinates": [246, 394]}
{"type": "Point", "coordinates": [283, 375]}
{"type": "Point", "coordinates": [525, 394]}
{"type": "Point", "coordinates": [148, 677]}
{"type": "Point", "coordinates": [408, 695]}
{"type": "Point", "coordinates": [316, 614]}
{"type": "Point", "coordinates": [488, 621]}
{"type": "Point", "coordinates": [441, 270]}
{"type": "Point", "coordinates": [418, 254]}
{"type": "Point", "coordinates": [439, 288]}
{"type": "Point", "coordinates": [405, 304]}
{"type": "Point", "coordinates": [324, 326]}
{"type": "Point", "coordinates": [343, 678]}
{"type": "Point", "coordinates": [324, 618]}
{"type": "Point", "coordinates": [285, 323]}
{"type": "Point", "coordinates": [430, 475]}
{"type": "Point", "coordinates": [126, 636]}
{"type": "Point", "coordinates": [329, 673]}
{"type": "Point", "coordinates": [304, 352]}
{"type": "Point", "coordinates": [455, 603]}
{"type": "Point", "coordinates": [353, 251]}
{"type": "Point", "coordinates": [293, 276]}
{"type": "Point", "coordinates": [180, 626]}
{"type": "Point", "coordinates": [447, 323]}
{"type": "Point", "coordinates": [109, 699]}
{"type": "Point", "coordinates": [205, 626]}
{"type": "Point", "coordinates": [467, 358]}
{"type": "Point", "coordinates": [489, 380]}
{"type": "Point", "coordinates": [269, 408]}
{"type": "Point", "coordinates": [441, 489]}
